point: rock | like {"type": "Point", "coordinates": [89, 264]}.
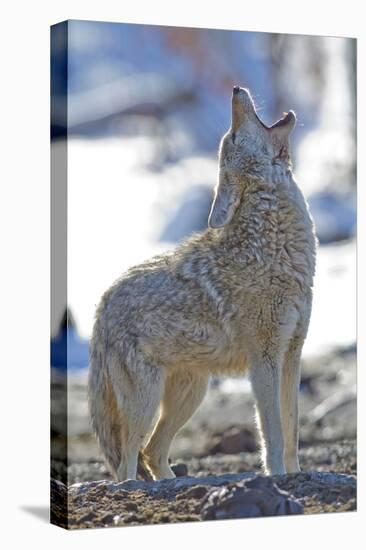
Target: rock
{"type": "Point", "coordinates": [95, 490]}
{"type": "Point", "coordinates": [253, 498]}
{"type": "Point", "coordinates": [180, 469]}
{"type": "Point", "coordinates": [234, 441]}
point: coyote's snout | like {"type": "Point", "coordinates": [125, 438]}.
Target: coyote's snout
{"type": "Point", "coordinates": [236, 297]}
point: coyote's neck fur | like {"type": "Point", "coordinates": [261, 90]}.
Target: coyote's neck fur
{"type": "Point", "coordinates": [272, 231]}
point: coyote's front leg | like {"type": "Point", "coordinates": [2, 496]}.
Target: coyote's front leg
{"type": "Point", "coordinates": [265, 374]}
{"type": "Point", "coordinates": [289, 403]}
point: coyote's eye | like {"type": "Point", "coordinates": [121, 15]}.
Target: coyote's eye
{"type": "Point", "coordinates": [233, 137]}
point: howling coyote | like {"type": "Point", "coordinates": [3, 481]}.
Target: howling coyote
{"type": "Point", "coordinates": [232, 299]}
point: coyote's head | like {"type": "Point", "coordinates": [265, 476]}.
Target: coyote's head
{"type": "Point", "coordinates": [249, 151]}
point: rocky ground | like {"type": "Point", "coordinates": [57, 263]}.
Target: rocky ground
{"type": "Point", "coordinates": [207, 493]}
{"type": "Point", "coordinates": [216, 460]}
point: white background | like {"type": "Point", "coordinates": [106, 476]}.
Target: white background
{"type": "Point", "coordinates": [24, 218]}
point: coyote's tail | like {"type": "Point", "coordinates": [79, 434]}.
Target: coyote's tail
{"type": "Point", "coordinates": [105, 416]}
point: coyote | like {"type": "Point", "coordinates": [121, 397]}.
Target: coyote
{"type": "Point", "coordinates": [232, 299]}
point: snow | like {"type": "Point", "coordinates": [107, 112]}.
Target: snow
{"type": "Point", "coordinates": [333, 320]}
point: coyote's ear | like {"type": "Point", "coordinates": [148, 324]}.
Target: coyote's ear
{"type": "Point", "coordinates": [224, 205]}
{"type": "Point", "coordinates": [281, 130]}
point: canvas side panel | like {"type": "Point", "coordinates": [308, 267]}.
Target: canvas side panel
{"type": "Point", "coordinates": [59, 78]}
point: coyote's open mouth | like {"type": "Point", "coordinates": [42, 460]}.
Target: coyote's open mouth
{"type": "Point", "coordinates": [243, 107]}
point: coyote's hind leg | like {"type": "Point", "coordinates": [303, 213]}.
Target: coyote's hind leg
{"type": "Point", "coordinates": [183, 394]}
{"type": "Point", "coordinates": [139, 389]}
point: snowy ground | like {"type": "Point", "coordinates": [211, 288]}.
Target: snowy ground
{"type": "Point", "coordinates": [118, 209]}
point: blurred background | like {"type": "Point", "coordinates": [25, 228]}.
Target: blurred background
{"type": "Point", "coordinates": [147, 106]}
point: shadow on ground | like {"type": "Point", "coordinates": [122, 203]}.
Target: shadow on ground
{"type": "Point", "coordinates": [40, 512]}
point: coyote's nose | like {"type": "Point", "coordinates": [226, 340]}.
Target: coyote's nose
{"type": "Point", "coordinates": [236, 89]}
